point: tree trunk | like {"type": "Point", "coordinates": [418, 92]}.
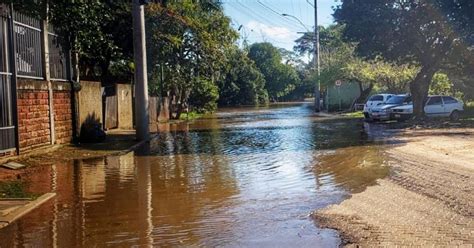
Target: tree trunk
{"type": "Point", "coordinates": [419, 90]}
{"type": "Point", "coordinates": [364, 94]}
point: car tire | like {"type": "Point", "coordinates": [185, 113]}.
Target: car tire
{"type": "Point", "coordinates": [454, 116]}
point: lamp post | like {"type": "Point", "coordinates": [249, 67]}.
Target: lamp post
{"type": "Point", "coordinates": [317, 91]}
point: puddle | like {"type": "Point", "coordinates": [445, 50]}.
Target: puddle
{"type": "Point", "coordinates": [243, 177]}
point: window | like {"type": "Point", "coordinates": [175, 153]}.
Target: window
{"type": "Point", "coordinates": [396, 100]}
{"type": "Point", "coordinates": [448, 100]}
{"type": "Point", "coordinates": [435, 100]}
{"type": "Point", "coordinates": [376, 98]}
{"type": "Point", "coordinates": [408, 100]}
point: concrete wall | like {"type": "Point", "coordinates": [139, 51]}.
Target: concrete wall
{"type": "Point", "coordinates": [89, 100]}
{"type": "Point", "coordinates": [125, 111]}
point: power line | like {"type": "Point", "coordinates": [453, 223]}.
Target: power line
{"type": "Point", "coordinates": [276, 12]}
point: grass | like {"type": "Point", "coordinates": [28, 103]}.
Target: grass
{"type": "Point", "coordinates": [15, 189]}
{"type": "Point", "coordinates": [190, 116]}
{"type": "Point", "coordinates": [357, 114]}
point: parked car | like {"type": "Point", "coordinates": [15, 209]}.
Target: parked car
{"type": "Point", "coordinates": [374, 101]}
{"type": "Point", "coordinates": [436, 106]}
{"type": "Point", "coordinates": [382, 111]}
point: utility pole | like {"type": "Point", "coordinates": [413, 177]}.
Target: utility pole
{"type": "Point", "coordinates": [141, 79]}
{"type": "Point", "coordinates": [317, 92]}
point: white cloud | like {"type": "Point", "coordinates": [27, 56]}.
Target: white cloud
{"type": "Point", "coordinates": [279, 34]}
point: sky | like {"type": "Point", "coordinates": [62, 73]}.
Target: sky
{"type": "Point", "coordinates": [261, 20]}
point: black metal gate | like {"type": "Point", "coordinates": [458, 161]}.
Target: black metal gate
{"type": "Point", "coordinates": [7, 127]}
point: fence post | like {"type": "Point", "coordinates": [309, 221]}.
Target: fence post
{"type": "Point", "coordinates": [47, 76]}
{"type": "Point", "coordinates": [14, 71]}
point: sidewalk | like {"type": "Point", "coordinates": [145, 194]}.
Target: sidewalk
{"type": "Point", "coordinates": [426, 201]}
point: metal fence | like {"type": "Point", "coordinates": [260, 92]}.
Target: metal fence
{"type": "Point", "coordinates": [27, 33]}
{"type": "Point", "coordinates": [7, 128]}
{"type": "Point", "coordinates": [57, 56]}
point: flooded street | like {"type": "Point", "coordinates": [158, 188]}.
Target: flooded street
{"type": "Point", "coordinates": [242, 177]}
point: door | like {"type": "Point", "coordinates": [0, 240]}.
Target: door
{"type": "Point", "coordinates": [434, 106]}
{"type": "Point", "coordinates": [450, 104]}
{"type": "Point", "coordinates": [7, 127]}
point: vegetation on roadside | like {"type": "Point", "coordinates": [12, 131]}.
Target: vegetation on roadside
{"type": "Point", "coordinates": [15, 189]}
{"type": "Point", "coordinates": [191, 116]}
{"type": "Point", "coordinates": [435, 36]}
{"type": "Point", "coordinates": [357, 114]}
{"type": "Point", "coordinates": [194, 59]}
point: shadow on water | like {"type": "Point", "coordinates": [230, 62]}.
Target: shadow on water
{"type": "Point", "coordinates": [246, 177]}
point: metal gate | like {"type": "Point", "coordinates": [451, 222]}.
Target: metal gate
{"type": "Point", "coordinates": [7, 127]}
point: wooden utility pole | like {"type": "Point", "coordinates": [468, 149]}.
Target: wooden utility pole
{"type": "Point", "coordinates": [317, 92]}
{"type": "Point", "coordinates": [141, 79]}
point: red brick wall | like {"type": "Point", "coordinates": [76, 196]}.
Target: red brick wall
{"type": "Point", "coordinates": [62, 116]}
{"type": "Point", "coordinates": [33, 118]}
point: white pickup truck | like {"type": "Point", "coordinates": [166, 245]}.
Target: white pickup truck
{"type": "Point", "coordinates": [436, 106]}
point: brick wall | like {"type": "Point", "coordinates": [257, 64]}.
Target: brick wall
{"type": "Point", "coordinates": [62, 116]}
{"type": "Point", "coordinates": [33, 118]}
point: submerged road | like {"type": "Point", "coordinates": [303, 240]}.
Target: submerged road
{"type": "Point", "coordinates": [242, 177]}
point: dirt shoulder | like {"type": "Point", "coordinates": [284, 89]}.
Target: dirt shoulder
{"type": "Point", "coordinates": [427, 199]}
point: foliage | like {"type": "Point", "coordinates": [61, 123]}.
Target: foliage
{"type": "Point", "coordinates": [188, 39]}
{"type": "Point", "coordinates": [429, 34]}
{"type": "Point", "coordinates": [242, 84]}
{"type": "Point", "coordinates": [280, 78]}
{"type": "Point", "coordinates": [385, 76]}
{"type": "Point", "coordinates": [442, 85]}
{"type": "Point", "coordinates": [15, 189]}
{"type": "Point", "coordinates": [204, 95]}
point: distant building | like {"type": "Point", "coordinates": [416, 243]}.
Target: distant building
{"type": "Point", "coordinates": [340, 98]}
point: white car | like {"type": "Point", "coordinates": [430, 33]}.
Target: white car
{"type": "Point", "coordinates": [436, 106]}
{"type": "Point", "coordinates": [382, 111]}
{"type": "Point", "coordinates": [373, 102]}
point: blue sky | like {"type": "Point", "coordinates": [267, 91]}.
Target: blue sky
{"type": "Point", "coordinates": [262, 20]}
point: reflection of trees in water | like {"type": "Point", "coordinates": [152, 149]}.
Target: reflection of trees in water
{"type": "Point", "coordinates": [353, 168]}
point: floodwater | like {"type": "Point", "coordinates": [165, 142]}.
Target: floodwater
{"type": "Point", "coordinates": [242, 177]}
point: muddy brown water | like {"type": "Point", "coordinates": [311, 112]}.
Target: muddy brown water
{"type": "Point", "coordinates": [242, 177]}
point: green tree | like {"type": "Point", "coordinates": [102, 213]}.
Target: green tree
{"type": "Point", "coordinates": [187, 40]}
{"type": "Point", "coordinates": [280, 78]}
{"type": "Point", "coordinates": [243, 83]}
{"type": "Point", "coordinates": [425, 33]}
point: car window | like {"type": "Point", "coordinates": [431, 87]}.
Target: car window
{"type": "Point", "coordinates": [396, 100]}
{"type": "Point", "coordinates": [408, 100]}
{"type": "Point", "coordinates": [435, 100]}
{"type": "Point", "coordinates": [376, 98]}
{"type": "Point", "coordinates": [448, 99]}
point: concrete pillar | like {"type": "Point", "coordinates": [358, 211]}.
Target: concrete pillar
{"type": "Point", "coordinates": [141, 79]}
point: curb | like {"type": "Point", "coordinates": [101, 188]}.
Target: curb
{"type": "Point", "coordinates": [21, 211]}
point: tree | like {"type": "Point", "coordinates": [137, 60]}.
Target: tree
{"type": "Point", "coordinates": [187, 40]}
{"type": "Point", "coordinates": [280, 78]}
{"type": "Point", "coordinates": [243, 83]}
{"type": "Point", "coordinates": [420, 32]}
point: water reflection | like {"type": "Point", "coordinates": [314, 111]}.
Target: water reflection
{"type": "Point", "coordinates": [244, 177]}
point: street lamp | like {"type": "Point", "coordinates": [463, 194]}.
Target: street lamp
{"type": "Point", "coordinates": [296, 18]}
